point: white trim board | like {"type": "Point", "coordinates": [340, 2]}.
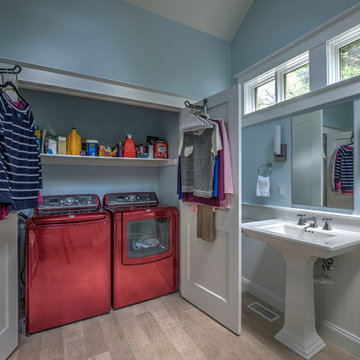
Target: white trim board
{"type": "Point", "coordinates": [69, 83]}
{"type": "Point", "coordinates": [335, 92]}
{"type": "Point", "coordinates": [272, 299]}
{"type": "Point", "coordinates": [335, 334]}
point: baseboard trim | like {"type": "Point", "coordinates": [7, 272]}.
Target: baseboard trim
{"type": "Point", "coordinates": [339, 336]}
{"type": "Point", "coordinates": [334, 333]}
{"type": "Point", "coordinates": [263, 294]}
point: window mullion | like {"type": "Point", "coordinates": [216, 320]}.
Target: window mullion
{"type": "Point", "coordinates": [280, 86]}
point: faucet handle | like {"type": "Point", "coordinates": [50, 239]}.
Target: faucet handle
{"type": "Point", "coordinates": [327, 225]}
{"type": "Point", "coordinates": [302, 220]}
{"type": "Point", "coordinates": [314, 223]}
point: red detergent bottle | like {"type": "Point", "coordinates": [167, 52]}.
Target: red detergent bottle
{"type": "Point", "coordinates": [129, 150]}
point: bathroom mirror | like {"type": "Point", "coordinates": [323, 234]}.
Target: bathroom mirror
{"type": "Point", "coordinates": [322, 157]}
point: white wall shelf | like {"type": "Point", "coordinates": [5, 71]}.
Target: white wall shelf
{"type": "Point", "coordinates": [49, 159]}
{"type": "Point", "coordinates": [64, 82]}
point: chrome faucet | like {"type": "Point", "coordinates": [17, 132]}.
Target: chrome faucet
{"type": "Point", "coordinates": [302, 218]}
{"type": "Point", "coordinates": [327, 225]}
{"type": "Point", "coordinates": [313, 223]}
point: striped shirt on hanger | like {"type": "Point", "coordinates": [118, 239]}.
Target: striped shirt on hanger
{"type": "Point", "coordinates": [344, 169]}
{"type": "Point", "coordinates": [20, 167]}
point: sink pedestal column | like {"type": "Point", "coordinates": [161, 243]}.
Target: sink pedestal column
{"type": "Point", "coordinates": [299, 333]}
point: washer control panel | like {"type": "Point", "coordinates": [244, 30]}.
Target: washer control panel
{"type": "Point", "coordinates": [132, 199]}
{"type": "Point", "coordinates": [69, 201]}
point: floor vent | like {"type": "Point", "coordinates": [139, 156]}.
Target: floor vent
{"type": "Point", "coordinates": [263, 311]}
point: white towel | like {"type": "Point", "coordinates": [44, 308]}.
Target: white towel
{"type": "Point", "coordinates": [263, 186]}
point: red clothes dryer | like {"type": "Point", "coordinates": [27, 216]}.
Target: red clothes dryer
{"type": "Point", "coordinates": [145, 247]}
{"type": "Point", "coordinates": [68, 261]}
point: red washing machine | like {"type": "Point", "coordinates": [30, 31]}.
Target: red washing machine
{"type": "Point", "coordinates": [145, 247]}
{"type": "Point", "coordinates": [68, 261]}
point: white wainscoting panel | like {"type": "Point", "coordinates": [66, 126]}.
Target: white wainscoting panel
{"type": "Point", "coordinates": [337, 306]}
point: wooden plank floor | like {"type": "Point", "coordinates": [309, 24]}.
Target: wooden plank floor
{"type": "Point", "coordinates": [167, 328]}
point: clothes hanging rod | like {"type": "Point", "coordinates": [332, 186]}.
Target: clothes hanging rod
{"type": "Point", "coordinates": [15, 70]}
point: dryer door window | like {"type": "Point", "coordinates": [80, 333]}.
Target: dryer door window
{"type": "Point", "coordinates": [147, 237]}
{"type": "Point", "coordinates": [147, 240]}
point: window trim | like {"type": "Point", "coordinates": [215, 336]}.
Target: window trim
{"type": "Point", "coordinates": [250, 89]}
{"type": "Point", "coordinates": [333, 47]}
{"type": "Point", "coordinates": [320, 92]}
{"type": "Point", "coordinates": [256, 93]}
{"type": "Point", "coordinates": [288, 67]}
{"type": "Point", "coordinates": [278, 74]}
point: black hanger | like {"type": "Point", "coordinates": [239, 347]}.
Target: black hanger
{"type": "Point", "coordinates": [15, 70]}
{"type": "Point", "coordinates": [13, 87]}
{"type": "Point", "coordinates": [202, 108]}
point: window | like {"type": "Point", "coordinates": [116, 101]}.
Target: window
{"type": "Point", "coordinates": [284, 82]}
{"type": "Point", "coordinates": [297, 82]}
{"type": "Point", "coordinates": [344, 55]}
{"type": "Point", "coordinates": [265, 95]}
{"type": "Point", "coordinates": [350, 60]}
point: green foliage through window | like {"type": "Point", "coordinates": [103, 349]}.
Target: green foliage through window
{"type": "Point", "coordinates": [350, 60]}
{"type": "Point", "coordinates": [265, 95]}
{"type": "Point", "coordinates": [297, 82]}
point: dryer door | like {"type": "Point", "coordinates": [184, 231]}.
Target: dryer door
{"type": "Point", "coordinates": [147, 235]}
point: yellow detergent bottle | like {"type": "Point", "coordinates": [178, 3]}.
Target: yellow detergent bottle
{"type": "Point", "coordinates": [73, 143]}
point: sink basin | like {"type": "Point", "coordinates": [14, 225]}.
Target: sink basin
{"type": "Point", "coordinates": [300, 248]}
{"type": "Point", "coordinates": [310, 241]}
{"type": "Point", "coordinates": [296, 232]}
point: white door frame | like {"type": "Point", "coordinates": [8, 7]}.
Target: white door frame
{"type": "Point", "coordinates": [8, 286]}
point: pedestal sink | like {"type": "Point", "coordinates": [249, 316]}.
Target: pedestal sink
{"type": "Point", "coordinates": [301, 247]}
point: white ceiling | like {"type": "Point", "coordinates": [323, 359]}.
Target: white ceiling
{"type": "Point", "coordinates": [220, 18]}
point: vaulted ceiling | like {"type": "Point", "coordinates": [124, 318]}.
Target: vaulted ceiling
{"type": "Point", "coordinates": [220, 18]}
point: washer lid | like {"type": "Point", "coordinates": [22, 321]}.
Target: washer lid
{"type": "Point", "coordinates": [68, 217]}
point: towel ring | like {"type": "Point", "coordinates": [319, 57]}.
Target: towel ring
{"type": "Point", "coordinates": [265, 169]}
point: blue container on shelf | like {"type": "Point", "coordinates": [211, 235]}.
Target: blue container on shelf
{"type": "Point", "coordinates": [92, 147]}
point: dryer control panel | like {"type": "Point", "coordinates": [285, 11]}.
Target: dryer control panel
{"type": "Point", "coordinates": [131, 199]}
{"type": "Point", "coordinates": [69, 201]}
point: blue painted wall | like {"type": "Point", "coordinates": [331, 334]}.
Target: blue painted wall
{"type": "Point", "coordinates": [107, 122]}
{"type": "Point", "coordinates": [270, 25]}
{"type": "Point", "coordinates": [118, 41]}
{"type": "Point", "coordinates": [115, 40]}
{"type": "Point", "coordinates": [258, 149]}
